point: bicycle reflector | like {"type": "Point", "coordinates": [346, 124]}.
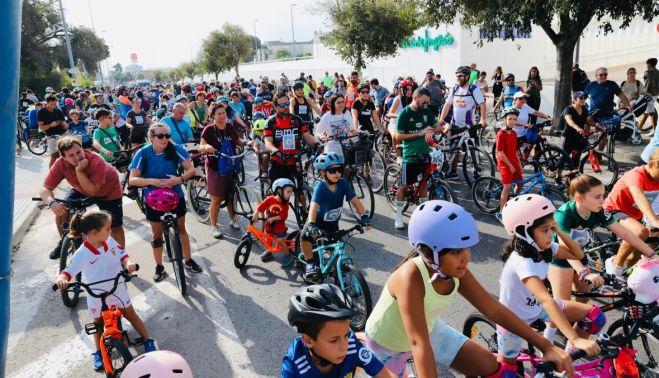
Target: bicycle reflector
{"type": "Point", "coordinates": [625, 365]}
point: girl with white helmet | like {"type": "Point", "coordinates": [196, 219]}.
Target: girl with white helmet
{"type": "Point", "coordinates": [529, 219]}
{"type": "Point", "coordinates": [405, 321]}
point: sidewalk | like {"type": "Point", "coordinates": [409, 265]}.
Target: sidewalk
{"type": "Point", "coordinates": [30, 173]}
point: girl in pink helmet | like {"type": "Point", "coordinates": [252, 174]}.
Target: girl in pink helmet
{"type": "Point", "coordinates": [529, 219]}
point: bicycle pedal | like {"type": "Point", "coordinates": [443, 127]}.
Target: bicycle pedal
{"type": "Point", "coordinates": [90, 328]}
{"type": "Point", "coordinates": [137, 341]}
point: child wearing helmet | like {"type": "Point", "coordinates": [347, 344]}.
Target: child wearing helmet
{"type": "Point", "coordinates": [405, 321]}
{"type": "Point", "coordinates": [326, 346]}
{"type": "Point", "coordinates": [258, 125]}
{"type": "Point", "coordinates": [274, 209]}
{"type": "Point", "coordinates": [161, 364]}
{"type": "Point", "coordinates": [263, 106]}
{"type": "Point", "coordinates": [100, 258]}
{"type": "Point", "coordinates": [329, 193]}
{"type": "Point", "coordinates": [508, 162]}
{"type": "Point", "coordinates": [529, 219]}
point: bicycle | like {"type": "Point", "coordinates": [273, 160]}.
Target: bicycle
{"type": "Point", "coordinates": [121, 165]}
{"type": "Point", "coordinates": [474, 160]}
{"type": "Point", "coordinates": [437, 187]}
{"type": "Point", "coordinates": [70, 245]}
{"type": "Point", "coordinates": [486, 191]}
{"type": "Point", "coordinates": [173, 249]}
{"type": "Point", "coordinates": [114, 340]}
{"type": "Point", "coordinates": [38, 145]}
{"type": "Point", "coordinates": [268, 242]}
{"type": "Point", "coordinates": [303, 188]}
{"type": "Point", "coordinates": [338, 268]}
{"type": "Point", "coordinates": [597, 163]}
{"type": "Point", "coordinates": [196, 189]}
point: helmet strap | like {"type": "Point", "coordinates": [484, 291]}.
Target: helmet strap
{"type": "Point", "coordinates": [321, 361]}
{"type": "Point", "coordinates": [529, 239]}
{"type": "Point", "coordinates": [433, 264]}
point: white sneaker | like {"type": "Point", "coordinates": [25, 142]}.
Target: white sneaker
{"type": "Point", "coordinates": [398, 222]}
{"type": "Point", "coordinates": [399, 160]}
{"type": "Point", "coordinates": [216, 232]}
{"type": "Point", "coordinates": [234, 224]}
{"type": "Point", "coordinates": [611, 268]}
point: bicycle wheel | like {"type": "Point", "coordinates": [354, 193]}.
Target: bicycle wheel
{"type": "Point", "coordinates": [37, 146]}
{"type": "Point", "coordinates": [555, 195]}
{"type": "Point", "coordinates": [365, 195]}
{"type": "Point", "coordinates": [646, 345]}
{"type": "Point", "coordinates": [354, 286]}
{"type": "Point", "coordinates": [69, 246]}
{"type": "Point", "coordinates": [488, 134]}
{"type": "Point", "coordinates": [392, 180]}
{"type": "Point", "coordinates": [441, 190]}
{"type": "Point", "coordinates": [376, 167]}
{"type": "Point", "coordinates": [551, 159]}
{"type": "Point", "coordinates": [600, 165]}
{"type": "Point", "coordinates": [245, 202]}
{"type": "Point", "coordinates": [119, 355]}
{"type": "Point", "coordinates": [472, 170]}
{"type": "Point", "coordinates": [482, 331]}
{"type": "Point", "coordinates": [302, 207]}
{"type": "Point", "coordinates": [198, 199]}
{"type": "Point", "coordinates": [242, 252]}
{"type": "Point", "coordinates": [177, 261]}
{"type": "Point", "coordinates": [486, 193]}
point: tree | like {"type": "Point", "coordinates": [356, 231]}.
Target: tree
{"type": "Point", "coordinates": [363, 30]}
{"type": "Point", "coordinates": [173, 75]}
{"type": "Point", "coordinates": [189, 69]}
{"type": "Point", "coordinates": [283, 54]}
{"type": "Point", "coordinates": [562, 20]}
{"type": "Point", "coordinates": [225, 49]}
{"type": "Point", "coordinates": [255, 42]}
{"type": "Point", "coordinates": [88, 49]}
{"type": "Point", "coordinates": [210, 55]}
{"type": "Point", "coordinates": [158, 75]}
{"type": "Point", "coordinates": [117, 72]}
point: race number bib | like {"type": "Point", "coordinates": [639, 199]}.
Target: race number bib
{"type": "Point", "coordinates": [333, 215]}
{"type": "Point", "coordinates": [303, 109]}
{"type": "Point", "coordinates": [288, 142]}
{"type": "Point", "coordinates": [139, 120]}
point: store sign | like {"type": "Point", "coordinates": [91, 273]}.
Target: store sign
{"type": "Point", "coordinates": [426, 41]}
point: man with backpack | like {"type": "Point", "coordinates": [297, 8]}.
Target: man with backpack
{"type": "Point", "coordinates": [180, 128]}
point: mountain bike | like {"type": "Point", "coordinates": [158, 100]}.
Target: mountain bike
{"type": "Point", "coordinates": [121, 165]}
{"type": "Point", "coordinates": [475, 162]}
{"type": "Point", "coordinates": [173, 249]}
{"type": "Point", "coordinates": [337, 267]}
{"type": "Point", "coordinates": [114, 340]}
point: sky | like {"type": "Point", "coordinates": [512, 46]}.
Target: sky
{"type": "Point", "coordinates": [166, 33]}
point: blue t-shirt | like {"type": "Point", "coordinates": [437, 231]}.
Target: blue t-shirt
{"type": "Point", "coordinates": [239, 108]}
{"type": "Point", "coordinates": [330, 203]}
{"type": "Point", "coordinates": [183, 127]}
{"type": "Point", "coordinates": [601, 95]}
{"type": "Point", "coordinates": [297, 362]}
{"type": "Point", "coordinates": [32, 118]}
{"type": "Point", "coordinates": [508, 93]}
{"type": "Point", "coordinates": [80, 128]}
{"type": "Point", "coordinates": [380, 94]}
{"type": "Point", "coordinates": [158, 166]}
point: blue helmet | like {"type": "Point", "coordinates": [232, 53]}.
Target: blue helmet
{"type": "Point", "coordinates": [258, 115]}
{"type": "Point", "coordinates": [257, 100]}
{"type": "Point", "coordinates": [223, 99]}
{"type": "Point", "coordinates": [326, 160]}
{"type": "Point", "coordinates": [281, 183]}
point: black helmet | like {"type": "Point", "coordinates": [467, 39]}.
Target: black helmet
{"type": "Point", "coordinates": [298, 85]}
{"type": "Point", "coordinates": [318, 303]}
{"type": "Point", "coordinates": [464, 70]}
{"type": "Point", "coordinates": [510, 76]}
{"type": "Point", "coordinates": [361, 87]}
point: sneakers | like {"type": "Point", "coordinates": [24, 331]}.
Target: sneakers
{"type": "Point", "coordinates": [193, 266]}
{"type": "Point", "coordinates": [160, 273]}
{"type": "Point", "coordinates": [399, 160]}
{"type": "Point", "coordinates": [498, 216]}
{"type": "Point", "coordinates": [234, 224]}
{"type": "Point", "coordinates": [265, 256]}
{"type": "Point", "coordinates": [398, 222]}
{"type": "Point", "coordinates": [149, 346]}
{"type": "Point", "coordinates": [216, 232]}
{"type": "Point", "coordinates": [311, 273]}
{"type": "Point", "coordinates": [98, 360]}
{"type": "Point", "coordinates": [287, 261]}
{"type": "Point", "coordinates": [611, 268]}
{"type": "Point", "coordinates": [54, 255]}
{"type": "Point", "coordinates": [451, 175]}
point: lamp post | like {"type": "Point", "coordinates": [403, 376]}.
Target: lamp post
{"type": "Point", "coordinates": [91, 16]}
{"type": "Point", "coordinates": [256, 51]}
{"type": "Point", "coordinates": [73, 70]}
{"type": "Point", "coordinates": [293, 29]}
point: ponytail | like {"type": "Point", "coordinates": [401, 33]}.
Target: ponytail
{"type": "Point", "coordinates": [91, 220]}
{"type": "Point", "coordinates": [74, 226]}
{"type": "Point", "coordinates": [413, 253]}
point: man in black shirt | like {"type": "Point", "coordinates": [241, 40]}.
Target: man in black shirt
{"type": "Point", "coordinates": [51, 121]}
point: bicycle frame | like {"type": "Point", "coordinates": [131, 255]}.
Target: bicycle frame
{"type": "Point", "coordinates": [112, 330]}
{"type": "Point", "coordinates": [337, 258]}
{"type": "Point", "coordinates": [536, 178]}
{"type": "Point", "coordinates": [594, 368]}
{"type": "Point", "coordinates": [270, 242]}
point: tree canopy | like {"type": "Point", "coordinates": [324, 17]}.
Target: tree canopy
{"type": "Point", "coordinates": [225, 49]}
{"type": "Point", "coordinates": [88, 49]}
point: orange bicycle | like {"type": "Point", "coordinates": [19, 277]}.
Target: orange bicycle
{"type": "Point", "coordinates": [114, 340]}
{"type": "Point", "coordinates": [269, 242]}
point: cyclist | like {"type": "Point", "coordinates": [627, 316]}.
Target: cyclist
{"type": "Point", "coordinates": [51, 121]}
{"type": "Point", "coordinates": [303, 106]}
{"type": "Point", "coordinates": [414, 128]}
{"type": "Point", "coordinates": [264, 91]}
{"type": "Point", "coordinates": [155, 167]}
{"type": "Point", "coordinates": [79, 128]}
{"type": "Point", "coordinates": [326, 347]}
{"type": "Point", "coordinates": [508, 162]}
{"type": "Point", "coordinates": [436, 90]}
{"type": "Point", "coordinates": [161, 363]}
{"type": "Point", "coordinates": [400, 101]}
{"type": "Point", "coordinates": [181, 129]}
{"type": "Point", "coordinates": [379, 95]}
{"type": "Point", "coordinates": [629, 202]}
{"type": "Point", "coordinates": [264, 107]}
{"type": "Point", "coordinates": [529, 219]}
{"type": "Point", "coordinates": [100, 258]}
{"type": "Point", "coordinates": [364, 113]}
{"type": "Point", "coordinates": [326, 206]}
{"type": "Point", "coordinates": [334, 123]}
{"type": "Point", "coordinates": [405, 321]}
{"type": "Point", "coordinates": [275, 210]}
{"type": "Point", "coordinates": [106, 138]}
{"type": "Point", "coordinates": [524, 118]}
{"type": "Point", "coordinates": [506, 99]}
{"type": "Point", "coordinates": [600, 94]}
{"type": "Point", "coordinates": [138, 122]}
{"type": "Point", "coordinates": [351, 91]}
{"type": "Point", "coordinates": [89, 176]}
{"type": "Point", "coordinates": [199, 110]}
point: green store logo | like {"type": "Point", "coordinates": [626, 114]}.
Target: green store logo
{"type": "Point", "coordinates": [426, 41]}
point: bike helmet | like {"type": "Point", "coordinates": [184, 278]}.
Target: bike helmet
{"type": "Point", "coordinates": [463, 70]}
{"type": "Point", "coordinates": [162, 199]}
{"type": "Point", "coordinates": [68, 101]}
{"type": "Point", "coordinates": [326, 160]}
{"type": "Point", "coordinates": [161, 364]}
{"type": "Point", "coordinates": [258, 115]}
{"type": "Point", "coordinates": [258, 100]}
{"type": "Point", "coordinates": [258, 125]}
{"type": "Point", "coordinates": [406, 83]}
{"type": "Point", "coordinates": [298, 85]}
{"type": "Point", "coordinates": [319, 303]}
{"type": "Point", "coordinates": [509, 110]}
{"type": "Point", "coordinates": [458, 229]}
{"type": "Point", "coordinates": [523, 211]}
{"type": "Point", "coordinates": [644, 282]}
{"type": "Point", "coordinates": [328, 94]}
{"type": "Point", "coordinates": [281, 183]}
{"type": "Point", "coordinates": [223, 99]}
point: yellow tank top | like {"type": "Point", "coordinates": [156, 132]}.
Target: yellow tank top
{"type": "Point", "coordinates": [385, 324]}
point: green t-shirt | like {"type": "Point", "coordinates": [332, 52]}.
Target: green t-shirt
{"type": "Point", "coordinates": [328, 81]}
{"type": "Point", "coordinates": [570, 222]}
{"type": "Point", "coordinates": [413, 122]}
{"type": "Point", "coordinates": [473, 76]}
{"type": "Point", "coordinates": [109, 139]}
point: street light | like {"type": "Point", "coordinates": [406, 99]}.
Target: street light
{"type": "Point", "coordinates": [293, 29]}
{"type": "Point", "coordinates": [256, 52]}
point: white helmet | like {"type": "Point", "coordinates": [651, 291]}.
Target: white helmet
{"type": "Point", "coordinates": [644, 282]}
{"type": "Point", "coordinates": [161, 364]}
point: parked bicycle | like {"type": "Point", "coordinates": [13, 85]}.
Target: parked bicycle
{"type": "Point", "coordinates": [475, 162]}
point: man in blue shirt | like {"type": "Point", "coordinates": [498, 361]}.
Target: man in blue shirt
{"type": "Point", "coordinates": [179, 127]}
{"type": "Point", "coordinates": [600, 94]}
{"type": "Point", "coordinates": [379, 94]}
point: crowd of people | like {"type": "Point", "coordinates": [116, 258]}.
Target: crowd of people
{"type": "Point", "coordinates": [89, 129]}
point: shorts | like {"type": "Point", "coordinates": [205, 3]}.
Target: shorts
{"type": "Point", "coordinates": [138, 134]}
{"type": "Point", "coordinates": [52, 143]}
{"type": "Point", "coordinates": [510, 344]}
{"type": "Point", "coordinates": [119, 298]}
{"type": "Point", "coordinates": [507, 177]}
{"type": "Point", "coordinates": [650, 108]}
{"type": "Point", "coordinates": [154, 216]}
{"type": "Point", "coordinates": [412, 171]}
{"type": "Point", "coordinates": [563, 264]}
{"type": "Point", "coordinates": [446, 342]}
{"type": "Point", "coordinates": [278, 171]}
{"type": "Point", "coordinates": [218, 186]}
{"type": "Point", "coordinates": [115, 207]}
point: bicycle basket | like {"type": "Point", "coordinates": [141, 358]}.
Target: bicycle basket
{"type": "Point", "coordinates": [357, 152]}
{"type": "Point", "coordinates": [638, 310]}
{"type": "Point", "coordinates": [611, 124]}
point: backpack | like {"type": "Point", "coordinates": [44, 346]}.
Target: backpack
{"type": "Point", "coordinates": [470, 92]}
{"type": "Point", "coordinates": [225, 165]}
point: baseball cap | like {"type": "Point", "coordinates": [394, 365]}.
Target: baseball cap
{"type": "Point", "coordinates": [520, 94]}
{"type": "Point", "coordinates": [577, 94]}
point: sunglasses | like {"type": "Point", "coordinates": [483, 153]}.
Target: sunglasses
{"type": "Point", "coordinates": [333, 171]}
{"type": "Point", "coordinates": [364, 92]}
{"type": "Point", "coordinates": [283, 104]}
{"type": "Point", "coordinates": [603, 75]}
{"type": "Point", "coordinates": [582, 97]}
{"type": "Point", "coordinates": [162, 136]}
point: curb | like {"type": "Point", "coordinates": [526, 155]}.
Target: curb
{"type": "Point", "coordinates": [22, 224]}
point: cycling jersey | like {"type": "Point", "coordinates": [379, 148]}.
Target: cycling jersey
{"type": "Point", "coordinates": [298, 363]}
{"type": "Point", "coordinates": [266, 109]}
{"type": "Point", "coordinates": [286, 134]}
{"type": "Point", "coordinates": [330, 203]}
{"type": "Point", "coordinates": [508, 94]}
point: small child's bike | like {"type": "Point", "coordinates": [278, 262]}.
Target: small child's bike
{"type": "Point", "coordinates": [114, 340]}
{"type": "Point", "coordinates": [269, 242]}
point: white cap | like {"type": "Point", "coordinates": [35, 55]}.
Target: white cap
{"type": "Point", "coordinates": [520, 94]}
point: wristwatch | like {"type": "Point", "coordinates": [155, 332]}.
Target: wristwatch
{"type": "Point", "coordinates": [51, 202]}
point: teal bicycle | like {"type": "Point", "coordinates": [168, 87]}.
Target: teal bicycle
{"type": "Point", "coordinates": [337, 268]}
{"type": "Point", "coordinates": [486, 190]}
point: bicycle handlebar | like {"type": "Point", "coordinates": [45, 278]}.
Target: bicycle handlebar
{"type": "Point", "coordinates": [81, 203]}
{"type": "Point", "coordinates": [235, 157]}
{"type": "Point", "coordinates": [124, 273]}
{"type": "Point", "coordinates": [340, 234]}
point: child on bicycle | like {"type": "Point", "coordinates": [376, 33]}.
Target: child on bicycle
{"type": "Point", "coordinates": [99, 258]}
{"type": "Point", "coordinates": [259, 145]}
{"type": "Point", "coordinates": [326, 205]}
{"type": "Point", "coordinates": [326, 347]}
{"type": "Point", "coordinates": [275, 210]}
{"type": "Point", "coordinates": [508, 162]}
{"type": "Point", "coordinates": [529, 219]}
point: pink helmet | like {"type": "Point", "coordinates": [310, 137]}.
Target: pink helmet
{"type": "Point", "coordinates": [523, 211]}
{"type": "Point", "coordinates": [68, 101]}
{"type": "Point", "coordinates": [644, 281]}
{"type": "Point", "coordinates": [161, 364]}
{"type": "Point", "coordinates": [162, 199]}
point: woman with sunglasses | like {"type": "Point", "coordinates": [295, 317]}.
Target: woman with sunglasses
{"type": "Point", "coordinates": [333, 123]}
{"type": "Point", "coordinates": [574, 125]}
{"type": "Point", "coordinates": [155, 166]}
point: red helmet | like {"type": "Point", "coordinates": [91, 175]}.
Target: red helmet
{"type": "Point", "coordinates": [162, 199]}
{"type": "Point", "coordinates": [406, 83]}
